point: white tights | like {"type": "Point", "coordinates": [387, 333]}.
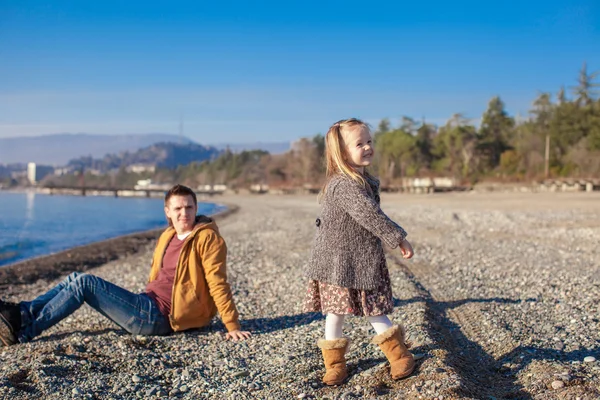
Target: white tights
{"type": "Point", "coordinates": [335, 322]}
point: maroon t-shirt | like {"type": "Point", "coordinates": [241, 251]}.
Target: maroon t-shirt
{"type": "Point", "coordinates": [161, 288]}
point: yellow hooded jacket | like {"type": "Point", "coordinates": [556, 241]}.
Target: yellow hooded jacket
{"type": "Point", "coordinates": [200, 287]}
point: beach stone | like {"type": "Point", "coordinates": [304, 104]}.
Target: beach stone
{"type": "Point", "coordinates": [557, 384]}
{"type": "Point", "coordinates": [239, 374]}
{"type": "Point", "coordinates": [136, 379]}
{"type": "Point", "coordinates": [77, 391]}
{"type": "Point", "coordinates": [589, 359]}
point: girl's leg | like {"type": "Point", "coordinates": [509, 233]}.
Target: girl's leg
{"type": "Point", "coordinates": [391, 342]}
{"type": "Point", "coordinates": [380, 323]}
{"type": "Point", "coordinates": [334, 324]}
{"type": "Point", "coordinates": [135, 313]}
{"type": "Point", "coordinates": [334, 348]}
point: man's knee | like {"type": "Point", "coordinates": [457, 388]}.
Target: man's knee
{"type": "Point", "coordinates": [83, 280]}
{"type": "Point", "coordinates": [74, 275]}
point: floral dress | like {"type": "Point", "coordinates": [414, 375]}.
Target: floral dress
{"type": "Point", "coordinates": [328, 298]}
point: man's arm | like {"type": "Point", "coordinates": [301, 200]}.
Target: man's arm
{"type": "Point", "coordinates": [213, 252]}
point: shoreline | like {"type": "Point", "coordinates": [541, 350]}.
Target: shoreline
{"type": "Point", "coordinates": [95, 254]}
{"type": "Point", "coordinates": [87, 256]}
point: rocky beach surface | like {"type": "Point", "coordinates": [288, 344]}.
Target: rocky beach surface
{"type": "Point", "coordinates": [501, 301]}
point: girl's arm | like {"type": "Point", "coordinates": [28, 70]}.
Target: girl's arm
{"type": "Point", "coordinates": [363, 209]}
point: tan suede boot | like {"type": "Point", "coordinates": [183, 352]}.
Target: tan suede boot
{"type": "Point", "coordinates": [391, 342]}
{"type": "Point", "coordinates": [334, 352]}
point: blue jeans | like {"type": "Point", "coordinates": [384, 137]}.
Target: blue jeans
{"type": "Point", "coordinates": [136, 313]}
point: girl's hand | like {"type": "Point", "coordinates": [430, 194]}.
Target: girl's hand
{"type": "Point", "coordinates": [237, 335]}
{"type": "Point", "coordinates": [406, 249]}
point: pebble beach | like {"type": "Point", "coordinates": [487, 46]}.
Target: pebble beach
{"type": "Point", "coordinates": [500, 301]}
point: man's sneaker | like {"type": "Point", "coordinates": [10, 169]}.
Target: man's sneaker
{"type": "Point", "coordinates": [10, 322]}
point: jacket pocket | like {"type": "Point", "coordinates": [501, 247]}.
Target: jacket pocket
{"type": "Point", "coordinates": [186, 303]}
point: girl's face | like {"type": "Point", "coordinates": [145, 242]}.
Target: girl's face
{"type": "Point", "coordinates": [359, 147]}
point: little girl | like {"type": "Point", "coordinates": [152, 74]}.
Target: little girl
{"type": "Point", "coordinates": [347, 268]}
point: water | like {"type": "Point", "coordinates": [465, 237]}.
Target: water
{"type": "Point", "coordinates": [33, 224]}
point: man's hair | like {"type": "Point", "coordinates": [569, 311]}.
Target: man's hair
{"type": "Point", "coordinates": [180, 190]}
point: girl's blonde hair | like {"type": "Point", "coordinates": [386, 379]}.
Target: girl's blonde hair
{"type": "Point", "coordinates": [335, 153]}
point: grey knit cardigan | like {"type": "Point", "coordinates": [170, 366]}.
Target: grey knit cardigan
{"type": "Point", "coordinates": [348, 247]}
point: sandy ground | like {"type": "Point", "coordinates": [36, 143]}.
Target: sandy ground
{"type": "Point", "coordinates": [500, 301]}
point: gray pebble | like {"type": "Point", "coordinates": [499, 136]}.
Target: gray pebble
{"type": "Point", "coordinates": [77, 391]}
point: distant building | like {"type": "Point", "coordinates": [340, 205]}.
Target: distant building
{"type": "Point", "coordinates": [143, 183]}
{"type": "Point", "coordinates": [31, 172]}
{"type": "Point", "coordinates": [63, 171]}
{"type": "Point", "coordinates": [146, 184]}
{"type": "Point", "coordinates": [36, 173]}
{"type": "Point", "coordinates": [93, 171]}
{"type": "Point", "coordinates": [218, 188]}
{"type": "Point", "coordinates": [137, 168]}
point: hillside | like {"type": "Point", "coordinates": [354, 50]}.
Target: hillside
{"type": "Point", "coordinates": [271, 147]}
{"type": "Point", "coordinates": [166, 155]}
{"type": "Point", "coordinates": [58, 149]}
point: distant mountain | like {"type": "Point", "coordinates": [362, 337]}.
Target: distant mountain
{"type": "Point", "coordinates": [271, 147]}
{"type": "Point", "coordinates": [168, 155]}
{"type": "Point", "coordinates": [58, 149]}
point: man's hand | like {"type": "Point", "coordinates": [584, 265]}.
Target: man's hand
{"type": "Point", "coordinates": [237, 335]}
{"type": "Point", "coordinates": [406, 249]}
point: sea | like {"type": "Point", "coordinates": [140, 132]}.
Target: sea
{"type": "Point", "coordinates": [34, 224]}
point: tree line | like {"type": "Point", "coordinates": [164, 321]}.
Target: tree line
{"type": "Point", "coordinates": [560, 137]}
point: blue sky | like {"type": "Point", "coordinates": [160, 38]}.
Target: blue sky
{"type": "Point", "coordinates": [276, 71]}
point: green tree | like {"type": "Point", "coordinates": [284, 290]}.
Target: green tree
{"type": "Point", "coordinates": [495, 134]}
{"type": "Point", "coordinates": [398, 153]}
{"type": "Point", "coordinates": [585, 92]}
{"type": "Point", "coordinates": [424, 136]}
{"type": "Point", "coordinates": [383, 127]}
{"type": "Point", "coordinates": [454, 148]}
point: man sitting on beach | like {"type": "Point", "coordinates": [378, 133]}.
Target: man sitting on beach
{"type": "Point", "coordinates": [187, 285]}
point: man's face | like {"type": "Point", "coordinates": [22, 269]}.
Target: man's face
{"type": "Point", "coordinates": [181, 211]}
